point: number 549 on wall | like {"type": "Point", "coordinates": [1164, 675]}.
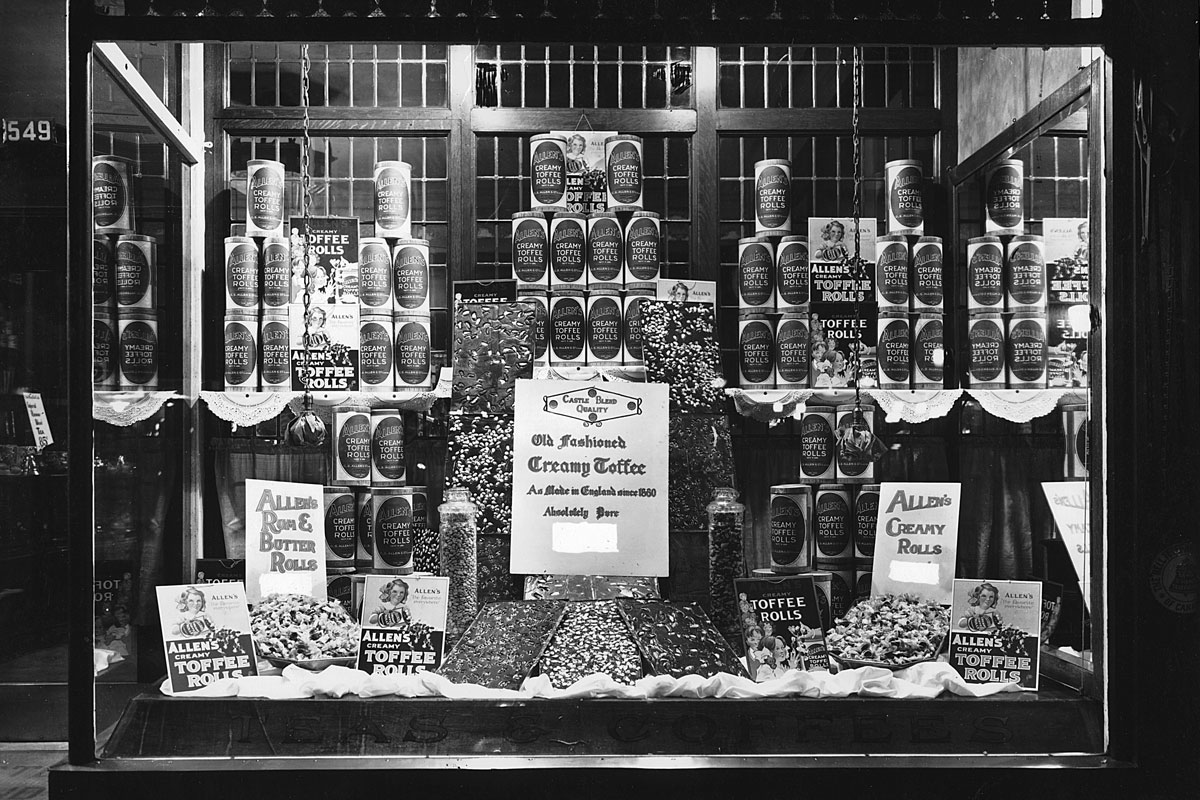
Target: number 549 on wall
{"type": "Point", "coordinates": [27, 130]}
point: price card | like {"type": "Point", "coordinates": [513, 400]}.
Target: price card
{"type": "Point", "coordinates": [38, 420]}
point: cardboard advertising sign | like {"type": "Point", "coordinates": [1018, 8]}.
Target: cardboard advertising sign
{"type": "Point", "coordinates": [916, 540]}
{"type": "Point", "coordinates": [285, 539]}
{"type": "Point", "coordinates": [995, 631]}
{"type": "Point", "coordinates": [206, 633]}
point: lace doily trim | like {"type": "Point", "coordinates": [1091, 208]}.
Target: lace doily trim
{"type": "Point", "coordinates": [246, 409]}
{"type": "Point", "coordinates": [1019, 405]}
{"type": "Point", "coordinates": [619, 374]}
{"type": "Point", "coordinates": [915, 405]}
{"type": "Point", "coordinates": [770, 405]}
{"type": "Point", "coordinates": [129, 408]}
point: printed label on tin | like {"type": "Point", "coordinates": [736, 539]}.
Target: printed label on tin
{"type": "Point", "coordinates": [891, 273]}
{"type": "Point", "coordinates": [375, 353]}
{"type": "Point", "coordinates": [633, 327]}
{"type": "Point", "coordinates": [241, 273]}
{"type": "Point", "coordinates": [642, 255]}
{"type": "Point", "coordinates": [566, 329]}
{"type": "Point", "coordinates": [1027, 350]}
{"type": "Point", "coordinates": [567, 250]}
{"type": "Point", "coordinates": [354, 445]}
{"type": "Point", "coordinates": [276, 274]}
{"type": "Point", "coordinates": [412, 354]}
{"type": "Point", "coordinates": [392, 198]}
{"type": "Point", "coordinates": [387, 448]}
{"type": "Point", "coordinates": [832, 525]}
{"type": "Point", "coordinates": [985, 275]}
{"type": "Point", "coordinates": [548, 165]}
{"type": "Point", "coordinates": [756, 274]}
{"type": "Point", "coordinates": [816, 445]}
{"type": "Point", "coordinates": [531, 250]}
{"type": "Point", "coordinates": [241, 354]}
{"type": "Point", "coordinates": [103, 351]}
{"type": "Point", "coordinates": [410, 277]}
{"type": "Point", "coordinates": [541, 318]}
{"type": "Point", "coordinates": [365, 509]}
{"type": "Point", "coordinates": [772, 198]}
{"type": "Point", "coordinates": [756, 347]}
{"type": "Point", "coordinates": [102, 269]}
{"type": "Point", "coordinates": [625, 173]}
{"type": "Point", "coordinates": [276, 366]}
{"type": "Point", "coordinates": [109, 195]}
{"type": "Point", "coordinates": [928, 346]}
{"type": "Point", "coordinates": [265, 198]}
{"type": "Point", "coordinates": [787, 530]}
{"type": "Point", "coordinates": [1027, 274]}
{"type": "Point", "coordinates": [1005, 194]}
{"type": "Point", "coordinates": [927, 275]}
{"type": "Point", "coordinates": [375, 276]}
{"type": "Point", "coordinates": [604, 329]}
{"type": "Point", "coordinates": [904, 199]}
{"type": "Point", "coordinates": [792, 351]}
{"type": "Point", "coordinates": [985, 345]}
{"type": "Point", "coordinates": [132, 274]}
{"type": "Point", "coordinates": [793, 273]}
{"type": "Point", "coordinates": [139, 353]}
{"type": "Point", "coordinates": [893, 350]}
{"type": "Point", "coordinates": [340, 525]}
{"type": "Point", "coordinates": [866, 513]}
{"type": "Point", "coordinates": [854, 463]}
{"type": "Point", "coordinates": [604, 250]}
{"type": "Point", "coordinates": [393, 531]}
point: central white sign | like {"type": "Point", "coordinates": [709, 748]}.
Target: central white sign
{"type": "Point", "coordinates": [590, 478]}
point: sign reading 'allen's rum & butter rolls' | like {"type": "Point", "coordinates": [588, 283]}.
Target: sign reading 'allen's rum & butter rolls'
{"type": "Point", "coordinates": [285, 539]}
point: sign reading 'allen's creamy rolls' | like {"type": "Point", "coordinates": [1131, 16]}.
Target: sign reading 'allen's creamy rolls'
{"type": "Point", "coordinates": [112, 198]}
{"type": "Point", "coordinates": [375, 276]}
{"type": "Point", "coordinates": [623, 170]}
{"type": "Point", "coordinates": [916, 540]}
{"type": "Point", "coordinates": [605, 248]}
{"type": "Point", "coordinates": [410, 276]}
{"type": "Point", "coordinates": [351, 446]}
{"type": "Point", "coordinates": [241, 351]}
{"type": "Point", "coordinates": [906, 210]}
{"type": "Point", "coordinates": [375, 356]}
{"type": "Point", "coordinates": [1005, 197]}
{"type": "Point", "coordinates": [756, 275]}
{"type": "Point", "coordinates": [531, 248]}
{"type": "Point", "coordinates": [340, 528]}
{"type": "Point", "coordinates": [791, 273]}
{"type": "Point", "coordinates": [756, 353]}
{"type": "Point", "coordinates": [412, 354]}
{"type": "Point", "coordinates": [985, 351]}
{"type": "Point", "coordinates": [893, 351]}
{"type": "Point", "coordinates": [603, 329]}
{"type": "Point", "coordinates": [773, 197]}
{"type": "Point", "coordinates": [643, 253]}
{"type": "Point", "coordinates": [393, 199]}
{"type": "Point", "coordinates": [241, 273]}
{"type": "Point", "coordinates": [792, 352]}
{"type": "Point", "coordinates": [927, 291]}
{"type": "Point", "coordinates": [891, 272]}
{"type": "Point", "coordinates": [276, 272]}
{"type": "Point", "coordinates": [985, 273]}
{"type": "Point", "coordinates": [138, 351]}
{"type": "Point", "coordinates": [264, 198]}
{"type": "Point", "coordinates": [275, 367]}
{"type": "Point", "coordinates": [567, 330]}
{"type": "Point", "coordinates": [387, 447]}
{"type": "Point", "coordinates": [548, 171]}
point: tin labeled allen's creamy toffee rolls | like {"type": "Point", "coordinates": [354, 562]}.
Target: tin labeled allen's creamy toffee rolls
{"type": "Point", "coordinates": [112, 195]}
{"type": "Point", "coordinates": [568, 252]}
{"type": "Point", "coordinates": [364, 514]}
{"type": "Point", "coordinates": [643, 250]}
{"type": "Point", "coordinates": [104, 349]}
{"type": "Point", "coordinates": [241, 351]}
{"type": "Point", "coordinates": [793, 352]}
{"type": "Point", "coordinates": [631, 351]}
{"type": "Point", "coordinates": [773, 197]}
{"type": "Point", "coordinates": [928, 351]}
{"type": "Point", "coordinates": [832, 526]}
{"type": "Point", "coordinates": [531, 249]}
{"type": "Point", "coordinates": [928, 293]}
{"type": "Point", "coordinates": [276, 279]}
{"type": "Point", "coordinates": [137, 335]}
{"type": "Point", "coordinates": [393, 200]}
{"type": "Point", "coordinates": [387, 448]}
{"type": "Point", "coordinates": [275, 352]}
{"type": "Point", "coordinates": [374, 276]}
{"type": "Point", "coordinates": [603, 328]}
{"type": "Point", "coordinates": [791, 512]}
{"type": "Point", "coordinates": [410, 277]}
{"type": "Point", "coordinates": [413, 353]}
{"type": "Point", "coordinates": [241, 273]}
{"type": "Point", "coordinates": [623, 171]}
{"type": "Point", "coordinates": [985, 274]}
{"type": "Point", "coordinates": [103, 257]}
{"type": "Point", "coordinates": [351, 442]}
{"type": "Point", "coordinates": [866, 514]}
{"type": "Point", "coordinates": [985, 351]}
{"type": "Point", "coordinates": [1005, 198]}
{"type": "Point", "coordinates": [605, 250]}
{"type": "Point", "coordinates": [548, 172]}
{"type": "Point", "coordinates": [376, 353]}
{"type": "Point", "coordinates": [1025, 351]}
{"type": "Point", "coordinates": [894, 350]}
{"type": "Point", "coordinates": [756, 276]}
{"type": "Point", "coordinates": [891, 273]}
{"type": "Point", "coordinates": [818, 444]}
{"type": "Point", "coordinates": [1025, 274]}
{"type": "Point", "coordinates": [392, 530]}
{"type": "Point", "coordinates": [264, 198]}
{"type": "Point", "coordinates": [756, 353]}
{"type": "Point", "coordinates": [791, 274]}
{"type": "Point", "coordinates": [135, 272]}
{"type": "Point", "coordinates": [905, 207]}
{"type": "Point", "coordinates": [568, 329]}
{"type": "Point", "coordinates": [340, 529]}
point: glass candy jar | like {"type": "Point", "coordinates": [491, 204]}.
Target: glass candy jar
{"type": "Point", "coordinates": [725, 561]}
{"type": "Point", "coordinates": [459, 560]}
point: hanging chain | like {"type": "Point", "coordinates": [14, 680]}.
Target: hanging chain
{"type": "Point", "coordinates": [856, 268]}
{"type": "Point", "coordinates": [306, 208]}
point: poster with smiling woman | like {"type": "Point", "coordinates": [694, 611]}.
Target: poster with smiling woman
{"type": "Point", "coordinates": [995, 631]}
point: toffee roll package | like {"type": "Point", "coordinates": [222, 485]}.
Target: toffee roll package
{"type": "Point", "coordinates": [985, 274]}
{"type": "Point", "coordinates": [387, 448]}
{"type": "Point", "coordinates": [818, 444]}
{"type": "Point", "coordinates": [755, 276]}
{"type": "Point", "coordinates": [135, 273]}
{"type": "Point", "coordinates": [275, 352]}
{"type": "Point", "coordinates": [547, 172]}
{"type": "Point", "coordinates": [605, 251]}
{"type": "Point", "coordinates": [623, 172]}
{"type": "Point", "coordinates": [241, 351]}
{"type": "Point", "coordinates": [791, 515]}
{"type": "Point", "coordinates": [113, 207]}
{"type": "Point", "coordinates": [376, 354]}
{"type": "Point", "coordinates": [393, 199]}
{"type": "Point", "coordinates": [832, 525]}
{"type": "Point", "coordinates": [104, 350]}
{"type": "Point", "coordinates": [568, 250]}
{"type": "Point", "coordinates": [276, 279]}
{"type": "Point", "coordinates": [531, 250]}
{"type": "Point", "coordinates": [137, 349]}
{"type": "Point", "coordinates": [773, 197]}
{"type": "Point", "coordinates": [351, 446]}
{"type": "Point", "coordinates": [793, 352]}
{"type": "Point", "coordinates": [905, 207]}
{"type": "Point", "coordinates": [928, 293]}
{"type": "Point", "coordinates": [791, 274]}
{"type": "Point", "coordinates": [643, 250]}
{"type": "Point", "coordinates": [894, 350]}
{"type": "Point", "coordinates": [986, 343]}
{"type": "Point", "coordinates": [264, 198]}
{"type": "Point", "coordinates": [374, 276]}
{"type": "Point", "coordinates": [756, 353]}
{"type": "Point", "coordinates": [1005, 198]}
{"type": "Point", "coordinates": [340, 529]}
{"type": "Point", "coordinates": [241, 274]}
{"type": "Point", "coordinates": [411, 277]}
{"type": "Point", "coordinates": [412, 354]}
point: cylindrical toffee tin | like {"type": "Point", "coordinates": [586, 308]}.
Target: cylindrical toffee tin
{"type": "Point", "coordinates": [791, 274]}
{"type": "Point", "coordinates": [340, 529]}
{"type": "Point", "coordinates": [264, 198]}
{"type": "Point", "coordinates": [863, 569]}
{"type": "Point", "coordinates": [376, 353]}
{"type": "Point", "coordinates": [548, 172]}
{"type": "Point", "coordinates": [137, 334]}
{"type": "Point", "coordinates": [894, 350]}
{"type": "Point", "coordinates": [756, 353]}
{"type": "Point", "coordinates": [241, 274]}
{"type": "Point", "coordinates": [605, 250]}
{"type": "Point", "coordinates": [866, 514]}
{"type": "Point", "coordinates": [541, 323]}
{"type": "Point", "coordinates": [241, 351]}
{"type": "Point", "coordinates": [364, 514]}
{"type": "Point", "coordinates": [531, 249]}
{"type": "Point", "coordinates": [112, 195]}
{"type": "Point", "coordinates": [832, 521]}
{"type": "Point", "coordinates": [104, 349]}
{"type": "Point", "coordinates": [387, 447]}
{"type": "Point", "coordinates": [855, 464]}
{"type": "Point", "coordinates": [410, 277]}
{"type": "Point", "coordinates": [773, 197]}
{"type": "Point", "coordinates": [905, 208]}
{"type": "Point", "coordinates": [135, 272]}
{"type": "Point", "coordinates": [643, 250]}
{"type": "Point", "coordinates": [275, 352]}
{"type": "Point", "coordinates": [928, 351]}
{"type": "Point", "coordinates": [568, 329]}
{"type": "Point", "coordinates": [928, 293]}
{"type": "Point", "coordinates": [841, 585]}
{"type": "Point", "coordinates": [392, 529]}
{"type": "Point", "coordinates": [276, 279]}
{"type": "Point", "coordinates": [791, 513]}
{"type": "Point", "coordinates": [985, 351]}
{"type": "Point", "coordinates": [375, 276]}
{"type": "Point", "coordinates": [891, 273]}
{"type": "Point", "coordinates": [631, 351]}
{"type": "Point", "coordinates": [568, 251]}
{"type": "Point", "coordinates": [623, 171]}
{"type": "Point", "coordinates": [351, 442]}
{"type": "Point", "coordinates": [393, 200]}
{"type": "Point", "coordinates": [1025, 351]}
{"type": "Point", "coordinates": [603, 339]}
{"type": "Point", "coordinates": [413, 353]}
{"type": "Point", "coordinates": [103, 256]}
{"type": "Point", "coordinates": [1005, 197]}
{"type": "Point", "coordinates": [756, 276]}
{"type": "Point", "coordinates": [792, 352]}
{"type": "Point", "coordinates": [822, 580]}
{"type": "Point", "coordinates": [1075, 432]}
{"type": "Point", "coordinates": [985, 274]}
{"type": "Point", "coordinates": [1025, 274]}
{"type": "Point", "coordinates": [818, 443]}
